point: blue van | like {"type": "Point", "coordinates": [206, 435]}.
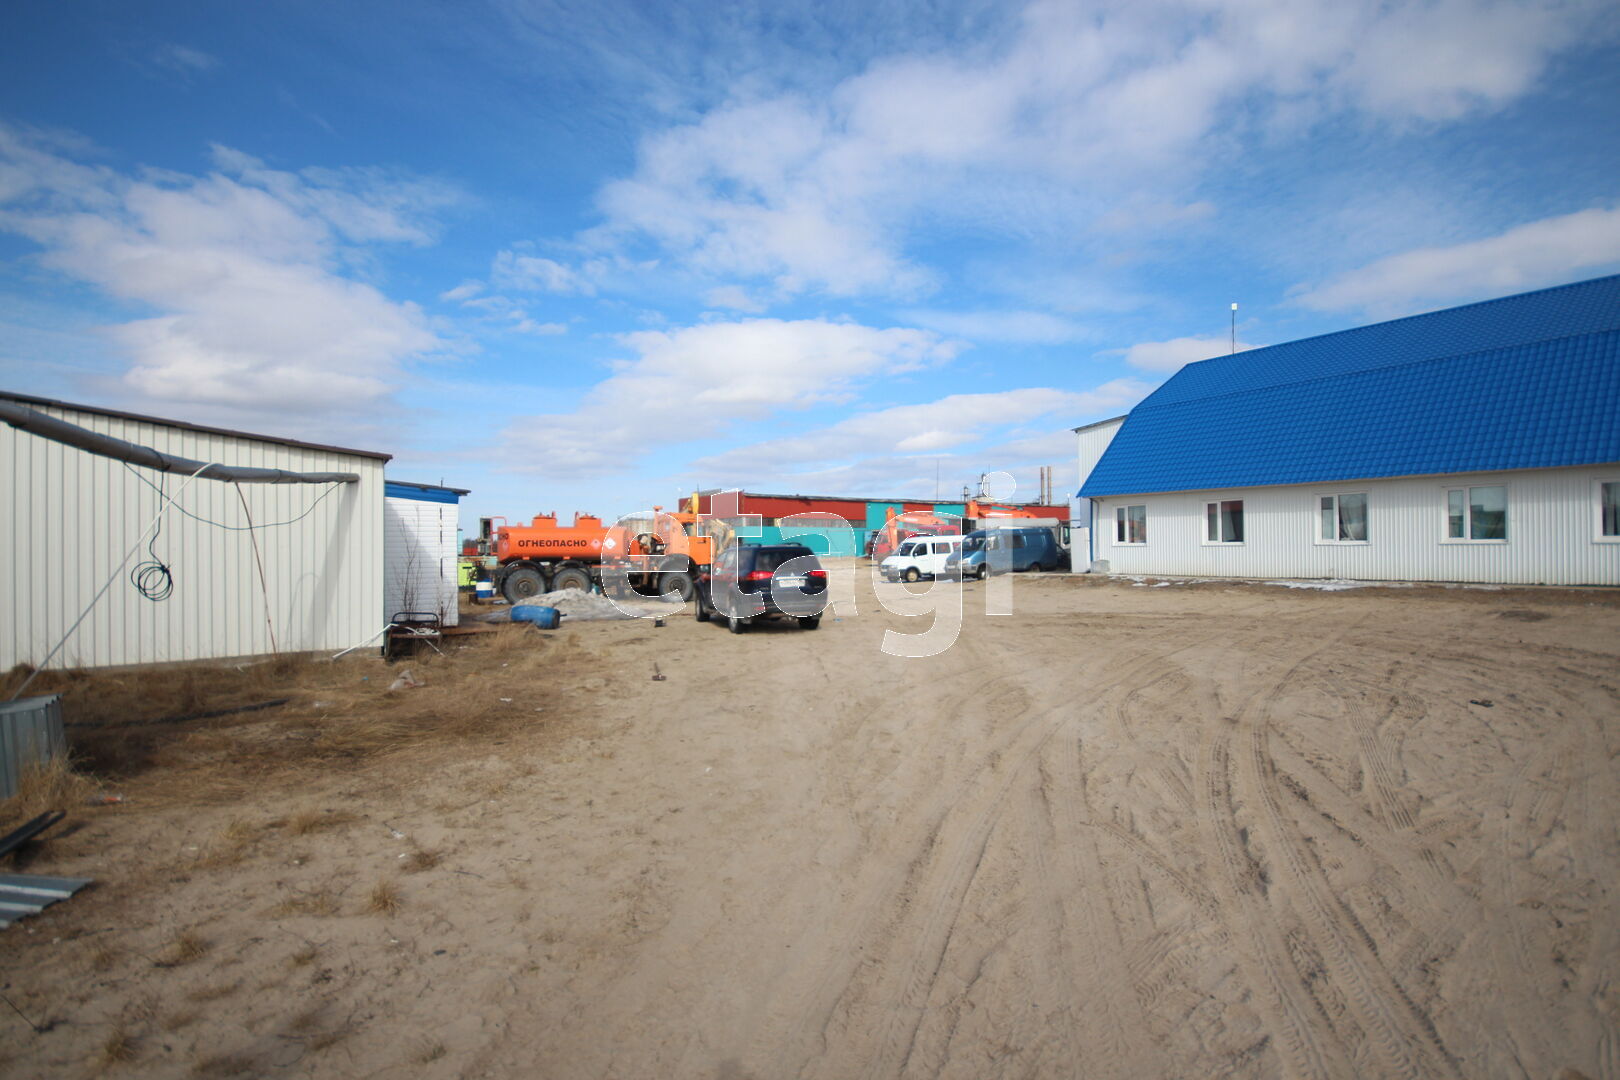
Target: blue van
{"type": "Point", "coordinates": [997, 551]}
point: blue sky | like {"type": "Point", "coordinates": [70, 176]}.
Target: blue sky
{"type": "Point", "coordinates": [587, 256]}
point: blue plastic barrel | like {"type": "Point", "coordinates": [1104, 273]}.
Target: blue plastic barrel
{"type": "Point", "coordinates": [484, 590]}
{"type": "Point", "coordinates": [546, 618]}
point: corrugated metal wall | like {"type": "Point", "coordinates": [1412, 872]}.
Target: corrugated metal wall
{"type": "Point", "coordinates": [31, 733]}
{"type": "Point", "coordinates": [71, 516]}
{"type": "Point", "coordinates": [1552, 533]}
{"type": "Point", "coordinates": [831, 542]}
{"type": "Point", "coordinates": [419, 558]}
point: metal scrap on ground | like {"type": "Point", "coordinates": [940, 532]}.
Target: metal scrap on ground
{"type": "Point", "coordinates": [22, 895]}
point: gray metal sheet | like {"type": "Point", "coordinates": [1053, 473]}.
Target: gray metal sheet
{"type": "Point", "coordinates": [22, 895]}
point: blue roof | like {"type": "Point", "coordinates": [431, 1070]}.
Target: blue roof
{"type": "Point", "coordinates": [405, 489]}
{"type": "Point", "coordinates": [1524, 382]}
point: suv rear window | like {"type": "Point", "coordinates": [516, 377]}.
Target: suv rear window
{"type": "Point", "coordinates": [772, 557]}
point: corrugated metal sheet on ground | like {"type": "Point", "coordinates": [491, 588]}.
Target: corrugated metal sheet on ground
{"type": "Point", "coordinates": [30, 732]}
{"type": "Point", "coordinates": [22, 895]}
{"type": "Point", "coordinates": [1525, 382]}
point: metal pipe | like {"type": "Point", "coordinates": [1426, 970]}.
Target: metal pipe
{"type": "Point", "coordinates": [49, 427]}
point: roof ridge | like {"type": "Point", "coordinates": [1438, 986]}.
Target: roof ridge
{"type": "Point", "coordinates": [1363, 371]}
{"type": "Point", "coordinates": [1408, 318]}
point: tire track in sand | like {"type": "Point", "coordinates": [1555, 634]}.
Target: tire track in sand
{"type": "Point", "coordinates": [1404, 1039]}
{"type": "Point", "coordinates": [948, 893]}
{"type": "Point", "coordinates": [1110, 990]}
{"type": "Point", "coordinates": [1289, 1010]}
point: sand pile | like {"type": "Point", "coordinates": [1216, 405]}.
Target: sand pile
{"type": "Point", "coordinates": [580, 606]}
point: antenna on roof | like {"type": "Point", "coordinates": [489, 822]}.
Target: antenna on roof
{"type": "Point", "coordinates": [1234, 328]}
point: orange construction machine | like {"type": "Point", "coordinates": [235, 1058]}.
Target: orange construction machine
{"type": "Point", "coordinates": [654, 554]}
{"type": "Point", "coordinates": [978, 511]}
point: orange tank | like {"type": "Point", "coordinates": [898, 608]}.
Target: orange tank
{"type": "Point", "coordinates": [544, 538]}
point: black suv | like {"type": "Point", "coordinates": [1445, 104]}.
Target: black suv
{"type": "Point", "coordinates": [757, 581]}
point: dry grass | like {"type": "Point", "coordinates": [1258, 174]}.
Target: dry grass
{"type": "Point", "coordinates": [118, 1047]}
{"type": "Point", "coordinates": [304, 1027]}
{"type": "Point", "coordinates": [225, 1065]}
{"type": "Point", "coordinates": [384, 898]}
{"type": "Point", "coordinates": [430, 1052]}
{"type": "Point", "coordinates": [337, 714]}
{"type": "Point", "coordinates": [232, 844]}
{"type": "Point", "coordinates": [305, 956]}
{"type": "Point", "coordinates": [311, 821]}
{"type": "Point", "coordinates": [322, 903]}
{"type": "Point", "coordinates": [103, 958]}
{"type": "Point", "coordinates": [213, 993]}
{"type": "Point", "coordinates": [176, 1021]}
{"type": "Point", "coordinates": [421, 859]}
{"type": "Point", "coordinates": [185, 949]}
{"type": "Point", "coordinates": [47, 785]}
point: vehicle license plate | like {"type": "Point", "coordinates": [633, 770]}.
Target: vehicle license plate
{"type": "Point", "coordinates": [795, 582]}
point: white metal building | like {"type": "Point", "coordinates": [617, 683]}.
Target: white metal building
{"type": "Point", "coordinates": [419, 549]}
{"type": "Point", "coordinates": [1476, 444]}
{"type": "Point", "coordinates": [1093, 440]}
{"type": "Point", "coordinates": [71, 516]}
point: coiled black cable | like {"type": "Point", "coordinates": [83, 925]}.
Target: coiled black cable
{"type": "Point", "coordinates": [153, 579]}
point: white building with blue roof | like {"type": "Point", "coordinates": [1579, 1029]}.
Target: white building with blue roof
{"type": "Point", "coordinates": [420, 550]}
{"type": "Point", "coordinates": [1476, 444]}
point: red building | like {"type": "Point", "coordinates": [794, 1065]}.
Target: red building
{"type": "Point", "coordinates": [860, 513]}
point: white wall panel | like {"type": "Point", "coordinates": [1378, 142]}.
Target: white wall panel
{"type": "Point", "coordinates": [71, 517]}
{"type": "Point", "coordinates": [1552, 533]}
{"type": "Point", "coordinates": [419, 543]}
{"type": "Point", "coordinates": [1092, 441]}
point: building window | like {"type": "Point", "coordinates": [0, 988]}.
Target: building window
{"type": "Point", "coordinates": [1223, 522]}
{"type": "Point", "coordinates": [1130, 525]}
{"type": "Point", "coordinates": [1342, 519]}
{"type": "Point", "coordinates": [1608, 509]}
{"type": "Point", "coordinates": [1476, 513]}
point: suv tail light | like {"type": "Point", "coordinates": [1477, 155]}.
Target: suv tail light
{"type": "Point", "coordinates": [815, 573]}
{"type": "Point", "coordinates": [759, 575]}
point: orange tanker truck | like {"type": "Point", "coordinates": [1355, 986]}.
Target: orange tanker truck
{"type": "Point", "coordinates": [654, 554]}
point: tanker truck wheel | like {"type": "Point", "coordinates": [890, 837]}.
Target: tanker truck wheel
{"type": "Point", "coordinates": [571, 577]}
{"type": "Point", "coordinates": [677, 586]}
{"type": "Point", "coordinates": [522, 583]}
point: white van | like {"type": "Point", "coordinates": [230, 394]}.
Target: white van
{"type": "Point", "coordinates": [920, 557]}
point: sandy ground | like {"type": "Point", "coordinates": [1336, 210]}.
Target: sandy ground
{"type": "Point", "coordinates": [1189, 831]}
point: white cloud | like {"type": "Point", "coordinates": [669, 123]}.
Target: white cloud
{"type": "Point", "coordinates": [529, 326]}
{"type": "Point", "coordinates": [1094, 117]}
{"type": "Point", "coordinates": [912, 451]}
{"type": "Point", "coordinates": [243, 269]}
{"type": "Point", "coordinates": [530, 273]}
{"type": "Point", "coordinates": [1546, 252]}
{"type": "Point", "coordinates": [735, 298]}
{"type": "Point", "coordinates": [465, 291]}
{"type": "Point", "coordinates": [1444, 58]}
{"type": "Point", "coordinates": [1022, 327]}
{"type": "Point", "coordinates": [695, 382]}
{"type": "Point", "coordinates": [1174, 354]}
{"type": "Point", "coordinates": [946, 424]}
